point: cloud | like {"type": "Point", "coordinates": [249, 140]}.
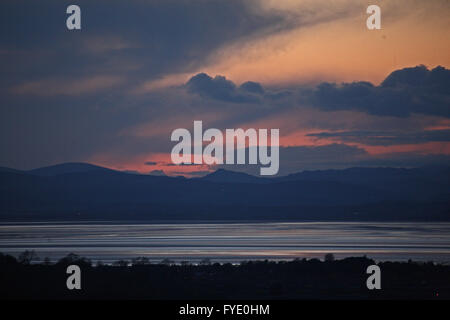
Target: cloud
{"type": "Point", "coordinates": [253, 87]}
{"type": "Point", "coordinates": [403, 92]}
{"type": "Point", "coordinates": [105, 44]}
{"type": "Point", "coordinates": [66, 95]}
{"type": "Point", "coordinates": [219, 88]}
{"type": "Point", "coordinates": [156, 38]}
{"type": "Point", "coordinates": [125, 127]}
{"type": "Point", "coordinates": [66, 86]}
{"type": "Point", "coordinates": [386, 138]}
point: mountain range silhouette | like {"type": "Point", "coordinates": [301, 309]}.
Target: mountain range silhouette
{"type": "Point", "coordinates": [73, 191]}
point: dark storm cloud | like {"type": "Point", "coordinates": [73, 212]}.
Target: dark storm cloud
{"type": "Point", "coordinates": [220, 88]}
{"type": "Point", "coordinates": [253, 87]}
{"type": "Point", "coordinates": [403, 92]}
{"type": "Point", "coordinates": [220, 91]}
{"type": "Point", "coordinates": [386, 138]}
{"type": "Point", "coordinates": [150, 38]}
{"type": "Point", "coordinates": [65, 94]}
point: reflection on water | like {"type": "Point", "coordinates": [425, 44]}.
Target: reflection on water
{"type": "Point", "coordinates": [231, 242]}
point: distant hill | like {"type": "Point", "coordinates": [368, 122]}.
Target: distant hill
{"type": "Point", "coordinates": [415, 183]}
{"type": "Point", "coordinates": [65, 168]}
{"type": "Point", "coordinates": [82, 191]}
{"type": "Point", "coordinates": [4, 169]}
{"type": "Point", "coordinates": [380, 174]}
{"type": "Point", "coordinates": [157, 173]}
{"type": "Point", "coordinates": [222, 175]}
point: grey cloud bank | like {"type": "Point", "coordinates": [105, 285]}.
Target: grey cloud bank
{"type": "Point", "coordinates": [403, 92]}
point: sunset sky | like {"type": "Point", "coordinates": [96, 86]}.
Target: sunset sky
{"type": "Point", "coordinates": [112, 93]}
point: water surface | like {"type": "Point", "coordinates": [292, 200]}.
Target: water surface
{"type": "Point", "coordinates": [230, 242]}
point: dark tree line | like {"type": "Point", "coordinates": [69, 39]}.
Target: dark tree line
{"type": "Point", "coordinates": [28, 278]}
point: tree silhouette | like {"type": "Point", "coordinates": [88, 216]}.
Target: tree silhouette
{"type": "Point", "coordinates": [121, 263]}
{"type": "Point", "coordinates": [73, 258]}
{"type": "Point", "coordinates": [27, 257]}
{"type": "Point", "coordinates": [167, 261]}
{"type": "Point", "coordinates": [329, 257]}
{"type": "Point", "coordinates": [205, 262]}
{"type": "Point", "coordinates": [140, 261]}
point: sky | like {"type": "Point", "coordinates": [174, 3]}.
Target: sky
{"type": "Point", "coordinates": [111, 93]}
